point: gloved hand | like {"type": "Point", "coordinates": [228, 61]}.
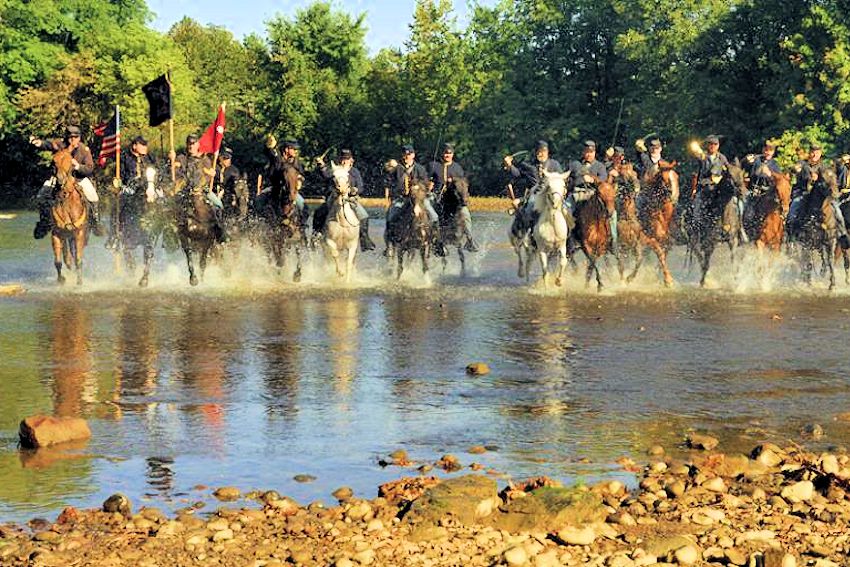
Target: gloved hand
{"type": "Point", "coordinates": [640, 145]}
{"type": "Point", "coordinates": [271, 141]}
{"type": "Point", "coordinates": [609, 153]}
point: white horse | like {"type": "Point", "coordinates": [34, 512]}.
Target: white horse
{"type": "Point", "coordinates": [551, 230]}
{"type": "Point", "coordinates": [343, 227]}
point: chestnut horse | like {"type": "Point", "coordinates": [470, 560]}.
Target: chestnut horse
{"type": "Point", "coordinates": [70, 219]}
{"type": "Point", "coordinates": [766, 211]}
{"type": "Point", "coordinates": [660, 189]}
{"type": "Point", "coordinates": [594, 230]}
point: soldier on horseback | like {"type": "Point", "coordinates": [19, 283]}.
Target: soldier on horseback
{"type": "Point", "coordinates": [225, 183]}
{"type": "Point", "coordinates": [83, 165]}
{"type": "Point", "coordinates": [355, 179]}
{"type": "Point", "coordinates": [710, 168]}
{"type": "Point", "coordinates": [194, 172]}
{"type": "Point", "coordinates": [760, 169]}
{"type": "Point", "coordinates": [585, 176]}
{"type": "Point", "coordinates": [402, 178]}
{"type": "Point", "coordinates": [443, 175]}
{"type": "Point", "coordinates": [809, 171]}
{"type": "Point", "coordinates": [529, 174]}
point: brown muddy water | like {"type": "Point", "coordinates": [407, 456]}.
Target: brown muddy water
{"type": "Point", "coordinates": [248, 380]}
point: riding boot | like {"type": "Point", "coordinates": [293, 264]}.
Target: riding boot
{"type": "Point", "coordinates": [44, 223]}
{"type": "Point", "coordinates": [94, 215]}
{"type": "Point", "coordinates": [471, 245]}
{"type": "Point", "coordinates": [366, 243]}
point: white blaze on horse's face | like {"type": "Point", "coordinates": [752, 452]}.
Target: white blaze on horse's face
{"type": "Point", "coordinates": [341, 179]}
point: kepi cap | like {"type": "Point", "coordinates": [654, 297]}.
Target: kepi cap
{"type": "Point", "coordinates": [541, 145]}
{"type": "Point", "coordinates": [712, 139]}
{"type": "Point", "coordinates": [408, 149]}
{"type": "Point", "coordinates": [72, 131]}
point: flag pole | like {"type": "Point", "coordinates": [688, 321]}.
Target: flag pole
{"type": "Point", "coordinates": [118, 140]}
{"type": "Point", "coordinates": [171, 128]}
{"type": "Point", "coordinates": [217, 149]}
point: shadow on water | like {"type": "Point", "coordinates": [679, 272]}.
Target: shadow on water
{"type": "Point", "coordinates": [249, 379]}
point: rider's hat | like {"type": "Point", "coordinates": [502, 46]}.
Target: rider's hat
{"type": "Point", "coordinates": [589, 144]}
{"type": "Point", "coordinates": [191, 139]}
{"type": "Point", "coordinates": [226, 153]}
{"type": "Point", "coordinates": [139, 140]}
{"type": "Point", "coordinates": [541, 145]}
{"type": "Point", "coordinates": [448, 147]}
{"type": "Point", "coordinates": [71, 131]}
{"type": "Point", "coordinates": [770, 144]}
{"type": "Point", "coordinates": [408, 149]}
{"type": "Point", "coordinates": [291, 143]}
{"type": "Point", "coordinates": [815, 146]}
{"type": "Point", "coordinates": [619, 151]}
{"type": "Point", "coordinates": [712, 139]}
{"type": "Point", "coordinates": [346, 154]}
{"type": "Point", "coordinates": [655, 143]}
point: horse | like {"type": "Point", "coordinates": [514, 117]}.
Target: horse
{"type": "Point", "coordinates": [630, 236]}
{"type": "Point", "coordinates": [342, 231]}
{"type": "Point", "coordinates": [521, 238]}
{"type": "Point", "coordinates": [285, 226]}
{"type": "Point", "coordinates": [411, 230]}
{"type": "Point", "coordinates": [659, 190]}
{"type": "Point", "coordinates": [716, 218]}
{"type": "Point", "coordinates": [593, 230]}
{"type": "Point", "coordinates": [452, 229]}
{"type": "Point", "coordinates": [766, 209]}
{"type": "Point", "coordinates": [817, 227]}
{"type": "Point", "coordinates": [196, 229]}
{"type": "Point", "coordinates": [550, 230]}
{"type": "Point", "coordinates": [134, 230]}
{"type": "Point", "coordinates": [843, 252]}
{"type": "Point", "coordinates": [70, 219]}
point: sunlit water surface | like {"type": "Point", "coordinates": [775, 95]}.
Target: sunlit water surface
{"type": "Point", "coordinates": [248, 379]}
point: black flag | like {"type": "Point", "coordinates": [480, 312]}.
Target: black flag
{"type": "Point", "coordinates": [158, 93]}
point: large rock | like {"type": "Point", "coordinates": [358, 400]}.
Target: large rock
{"type": "Point", "coordinates": [701, 442]}
{"type": "Point", "coordinates": [551, 509]}
{"type": "Point", "coordinates": [43, 431]}
{"type": "Point", "coordinates": [468, 499]}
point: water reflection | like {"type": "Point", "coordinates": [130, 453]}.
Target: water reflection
{"type": "Point", "coordinates": [71, 360]}
{"type": "Point", "coordinates": [281, 343]}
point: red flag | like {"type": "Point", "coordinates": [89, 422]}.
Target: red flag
{"type": "Point", "coordinates": [211, 140]}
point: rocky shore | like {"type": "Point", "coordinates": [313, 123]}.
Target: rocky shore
{"type": "Point", "coordinates": [776, 507]}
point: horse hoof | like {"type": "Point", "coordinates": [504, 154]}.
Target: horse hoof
{"type": "Point", "coordinates": [558, 282]}
{"type": "Point", "coordinates": [193, 281]}
{"type": "Point", "coordinates": [61, 279]}
{"type": "Point", "coordinates": [630, 279]}
{"type": "Point", "coordinates": [296, 277]}
{"type": "Point", "coordinates": [143, 282]}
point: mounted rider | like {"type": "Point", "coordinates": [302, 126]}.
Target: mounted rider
{"type": "Point", "coordinates": [585, 176]}
{"type": "Point", "coordinates": [83, 165]}
{"type": "Point", "coordinates": [711, 165]}
{"type": "Point", "coordinates": [651, 162]}
{"type": "Point", "coordinates": [402, 177]}
{"type": "Point", "coordinates": [227, 176]}
{"type": "Point", "coordinates": [194, 172]}
{"type": "Point", "coordinates": [345, 159]}
{"type": "Point", "coordinates": [528, 174]}
{"type": "Point", "coordinates": [761, 170]}
{"type": "Point", "coordinates": [809, 171]}
{"type": "Point", "coordinates": [277, 164]}
{"type": "Point", "coordinates": [134, 163]}
{"type": "Point", "coordinates": [443, 175]}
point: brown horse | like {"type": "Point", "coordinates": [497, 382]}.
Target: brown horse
{"type": "Point", "coordinates": [594, 230]}
{"type": "Point", "coordinates": [195, 229]}
{"type": "Point", "coordinates": [285, 227]}
{"type": "Point", "coordinates": [70, 219]}
{"type": "Point", "coordinates": [767, 209]}
{"type": "Point", "coordinates": [660, 189]}
{"type": "Point", "coordinates": [630, 237]}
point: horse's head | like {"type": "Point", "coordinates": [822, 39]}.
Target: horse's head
{"type": "Point", "coordinates": [736, 176]}
{"type": "Point", "coordinates": [342, 180]}
{"type": "Point", "coordinates": [64, 168]}
{"type": "Point", "coordinates": [553, 187]}
{"type": "Point", "coordinates": [826, 184]}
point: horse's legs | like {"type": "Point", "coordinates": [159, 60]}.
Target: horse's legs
{"type": "Point", "coordinates": [543, 256]}
{"type": "Point", "coordinates": [621, 261]}
{"type": "Point", "coordinates": [400, 263]}
{"type": "Point", "coordinates": [599, 285]}
{"type": "Point", "coordinates": [57, 257]}
{"type": "Point", "coordinates": [79, 246]}
{"type": "Point", "coordinates": [828, 254]}
{"type": "Point", "coordinates": [349, 270]}
{"type": "Point", "coordinates": [562, 264]}
{"type": "Point", "coordinates": [661, 253]}
{"type": "Point", "coordinates": [462, 259]}
{"type": "Point", "coordinates": [147, 251]}
{"type": "Point", "coordinates": [639, 261]}
{"type": "Point", "coordinates": [296, 277]}
{"type": "Point", "coordinates": [423, 253]}
{"type": "Point", "coordinates": [518, 245]}
{"type": "Point", "coordinates": [705, 261]}
{"type": "Point", "coordinates": [190, 262]}
{"type": "Point", "coordinates": [846, 256]}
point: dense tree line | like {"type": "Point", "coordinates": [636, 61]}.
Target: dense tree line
{"type": "Point", "coordinates": [563, 70]}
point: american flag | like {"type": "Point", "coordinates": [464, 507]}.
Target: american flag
{"type": "Point", "coordinates": [110, 131]}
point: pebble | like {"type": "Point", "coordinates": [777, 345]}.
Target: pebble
{"type": "Point", "coordinates": [223, 535]}
{"type": "Point", "coordinates": [702, 442]}
{"type": "Point", "coordinates": [343, 493]}
{"type": "Point", "coordinates": [516, 556]}
{"type": "Point", "coordinates": [477, 369]}
{"type": "Point", "coordinates": [365, 557]}
{"type": "Point", "coordinates": [117, 503]}
{"type": "Point", "coordinates": [227, 493]}
{"type": "Point", "coordinates": [802, 491]}
{"type": "Point", "coordinates": [716, 484]}
{"type": "Point", "coordinates": [304, 478]}
{"type": "Point", "coordinates": [577, 536]}
{"type": "Point", "coordinates": [687, 555]}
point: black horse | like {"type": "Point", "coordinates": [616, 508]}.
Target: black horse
{"type": "Point", "coordinates": [285, 227]}
{"type": "Point", "coordinates": [715, 217]}
{"type": "Point", "coordinates": [452, 228]}
{"type": "Point", "coordinates": [410, 231]}
{"type": "Point", "coordinates": [817, 229]}
{"type": "Point", "coordinates": [139, 204]}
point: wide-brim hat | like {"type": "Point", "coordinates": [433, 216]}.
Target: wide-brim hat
{"type": "Point", "coordinates": [71, 131]}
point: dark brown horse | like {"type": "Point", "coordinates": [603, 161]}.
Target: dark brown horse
{"type": "Point", "coordinates": [660, 189]}
{"type": "Point", "coordinates": [411, 231]}
{"type": "Point", "coordinates": [594, 230]}
{"type": "Point", "coordinates": [630, 240]}
{"type": "Point", "coordinates": [818, 227]}
{"type": "Point", "coordinates": [285, 227]}
{"type": "Point", "coordinates": [452, 230]}
{"type": "Point", "coordinates": [70, 219]}
{"type": "Point", "coordinates": [196, 226]}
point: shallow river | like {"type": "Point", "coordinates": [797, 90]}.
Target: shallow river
{"type": "Point", "coordinates": [247, 380]}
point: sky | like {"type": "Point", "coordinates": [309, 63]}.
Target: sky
{"type": "Point", "coordinates": [386, 20]}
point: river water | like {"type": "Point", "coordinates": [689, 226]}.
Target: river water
{"type": "Point", "coordinates": [248, 380]}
